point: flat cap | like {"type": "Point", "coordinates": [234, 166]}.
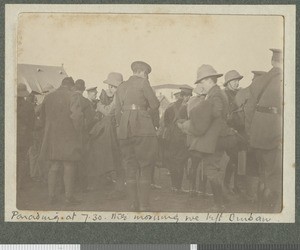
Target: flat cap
{"type": "Point", "coordinates": [186, 89]}
{"type": "Point", "coordinates": [139, 65]}
{"type": "Point", "coordinates": [92, 89]}
{"type": "Point", "coordinates": [277, 55]}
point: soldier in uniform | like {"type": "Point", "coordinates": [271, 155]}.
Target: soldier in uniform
{"type": "Point", "coordinates": [234, 120]}
{"type": "Point", "coordinates": [212, 121]}
{"type": "Point", "coordinates": [136, 133]}
{"type": "Point", "coordinates": [266, 133]}
{"type": "Point", "coordinates": [25, 128]}
{"type": "Point", "coordinates": [62, 117]}
{"type": "Point", "coordinates": [175, 150]}
{"type": "Point", "coordinates": [89, 119]}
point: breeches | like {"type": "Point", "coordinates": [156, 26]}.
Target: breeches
{"type": "Point", "coordinates": [270, 169]}
{"type": "Point", "coordinates": [139, 156]}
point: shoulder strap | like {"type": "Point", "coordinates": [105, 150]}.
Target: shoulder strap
{"type": "Point", "coordinates": [264, 88]}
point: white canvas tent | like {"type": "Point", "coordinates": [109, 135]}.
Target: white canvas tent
{"type": "Point", "coordinates": [40, 78]}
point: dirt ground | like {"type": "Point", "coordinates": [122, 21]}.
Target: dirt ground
{"type": "Point", "coordinates": [34, 197]}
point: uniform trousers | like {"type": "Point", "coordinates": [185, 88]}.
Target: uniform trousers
{"type": "Point", "coordinates": [68, 176]}
{"type": "Point", "coordinates": [270, 177]}
{"type": "Point", "coordinates": [139, 155]}
{"type": "Point", "coordinates": [213, 170]}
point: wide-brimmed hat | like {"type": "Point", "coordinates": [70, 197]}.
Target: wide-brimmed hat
{"type": "Point", "coordinates": [22, 90]}
{"type": "Point", "coordinates": [141, 66]}
{"type": "Point", "coordinates": [80, 85]}
{"type": "Point", "coordinates": [232, 75]}
{"type": "Point", "coordinates": [206, 71]}
{"type": "Point", "coordinates": [114, 79]}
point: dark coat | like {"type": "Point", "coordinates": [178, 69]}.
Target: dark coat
{"type": "Point", "coordinates": [137, 91]}
{"type": "Point", "coordinates": [266, 128]}
{"type": "Point", "coordinates": [63, 119]}
{"type": "Point", "coordinates": [25, 123]}
{"type": "Point", "coordinates": [207, 143]}
{"type": "Point", "coordinates": [175, 139]}
{"type": "Point", "coordinates": [104, 153]}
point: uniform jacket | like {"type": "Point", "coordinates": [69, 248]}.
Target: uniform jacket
{"type": "Point", "coordinates": [62, 117]}
{"type": "Point", "coordinates": [266, 128]}
{"type": "Point", "coordinates": [25, 123]}
{"type": "Point", "coordinates": [137, 91]}
{"type": "Point", "coordinates": [207, 143]}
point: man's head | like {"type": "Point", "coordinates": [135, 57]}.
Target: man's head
{"type": "Point", "coordinates": [232, 80]}
{"type": "Point", "coordinates": [68, 82]}
{"type": "Point", "coordinates": [186, 92]}
{"type": "Point", "coordinates": [79, 85]}
{"type": "Point", "coordinates": [92, 93]}
{"type": "Point", "coordinates": [141, 69]}
{"type": "Point", "coordinates": [114, 79]}
{"type": "Point", "coordinates": [277, 58]}
{"type": "Point", "coordinates": [207, 77]}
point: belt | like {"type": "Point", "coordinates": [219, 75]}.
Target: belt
{"type": "Point", "coordinates": [133, 107]}
{"type": "Point", "coordinates": [268, 110]}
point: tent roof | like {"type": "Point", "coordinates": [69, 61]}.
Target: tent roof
{"type": "Point", "coordinates": [39, 78]}
{"type": "Point", "coordinates": [170, 86]}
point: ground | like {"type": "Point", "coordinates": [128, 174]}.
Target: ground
{"type": "Point", "coordinates": [34, 197]}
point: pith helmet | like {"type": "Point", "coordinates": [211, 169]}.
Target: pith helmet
{"type": "Point", "coordinates": [232, 75]}
{"type": "Point", "coordinates": [114, 79]}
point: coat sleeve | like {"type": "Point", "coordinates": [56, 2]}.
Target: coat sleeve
{"type": "Point", "coordinates": [76, 112]}
{"type": "Point", "coordinates": [150, 95]}
{"type": "Point", "coordinates": [217, 107]}
{"type": "Point", "coordinates": [118, 108]}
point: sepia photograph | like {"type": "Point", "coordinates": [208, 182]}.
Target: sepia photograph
{"type": "Point", "coordinates": [150, 111]}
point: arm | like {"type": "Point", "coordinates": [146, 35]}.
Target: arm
{"type": "Point", "coordinates": [118, 108]}
{"type": "Point", "coordinates": [106, 109]}
{"type": "Point", "coordinates": [76, 112]}
{"type": "Point", "coordinates": [150, 95]}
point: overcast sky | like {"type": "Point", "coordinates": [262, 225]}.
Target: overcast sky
{"type": "Point", "coordinates": [92, 45]}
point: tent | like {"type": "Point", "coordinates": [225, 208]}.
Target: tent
{"type": "Point", "coordinates": [40, 78]}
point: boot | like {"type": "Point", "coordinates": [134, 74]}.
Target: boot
{"type": "Point", "coordinates": [252, 187]}
{"type": "Point", "coordinates": [144, 196]}
{"type": "Point", "coordinates": [132, 195]}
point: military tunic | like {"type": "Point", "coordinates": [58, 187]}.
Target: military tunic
{"type": "Point", "coordinates": [266, 132]}
{"type": "Point", "coordinates": [137, 135]}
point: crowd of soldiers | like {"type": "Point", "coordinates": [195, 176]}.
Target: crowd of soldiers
{"type": "Point", "coordinates": [213, 136]}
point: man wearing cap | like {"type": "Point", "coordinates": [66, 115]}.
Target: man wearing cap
{"type": "Point", "coordinates": [266, 133]}
{"type": "Point", "coordinates": [92, 96]}
{"type": "Point", "coordinates": [136, 133]}
{"type": "Point", "coordinates": [175, 150]}
{"type": "Point", "coordinates": [104, 142]}
{"type": "Point", "coordinates": [234, 120]}
{"type": "Point", "coordinates": [62, 117]}
{"type": "Point", "coordinates": [25, 128]}
{"type": "Point", "coordinates": [89, 119]}
{"type": "Point", "coordinates": [203, 148]}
